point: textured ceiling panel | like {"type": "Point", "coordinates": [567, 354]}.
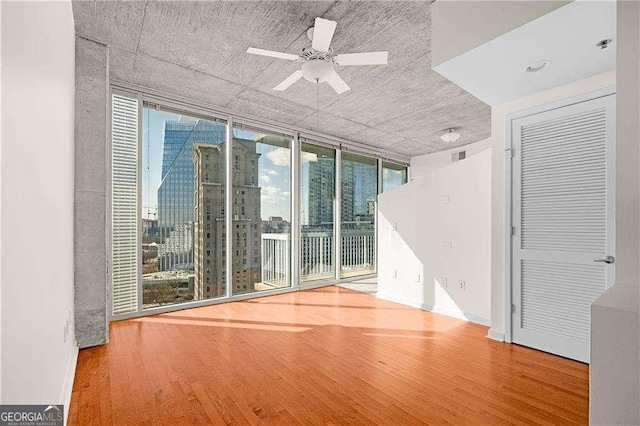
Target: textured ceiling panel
{"type": "Point", "coordinates": [110, 22]}
{"type": "Point", "coordinates": [197, 50]}
{"type": "Point", "coordinates": [167, 77]}
{"type": "Point", "coordinates": [254, 102]}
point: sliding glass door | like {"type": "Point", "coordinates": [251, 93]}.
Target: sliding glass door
{"type": "Point", "coordinates": [358, 191]}
{"type": "Point", "coordinates": [317, 195]}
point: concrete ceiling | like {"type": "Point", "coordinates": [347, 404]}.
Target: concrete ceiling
{"type": "Point", "coordinates": [197, 50]}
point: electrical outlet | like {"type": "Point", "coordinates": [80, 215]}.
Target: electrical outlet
{"type": "Point", "coordinates": [443, 282]}
{"type": "Point", "coordinates": [418, 278]}
{"type": "Point", "coordinates": [447, 244]}
{"type": "Point", "coordinates": [463, 285]}
{"type": "Point", "coordinates": [444, 198]}
{"type": "Point", "coordinates": [395, 273]}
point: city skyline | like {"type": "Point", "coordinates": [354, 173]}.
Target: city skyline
{"type": "Point", "coordinates": [276, 185]}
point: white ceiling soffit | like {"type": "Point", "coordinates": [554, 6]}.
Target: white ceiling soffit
{"type": "Point", "coordinates": [495, 71]}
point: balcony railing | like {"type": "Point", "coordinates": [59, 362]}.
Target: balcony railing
{"type": "Point", "coordinates": [358, 255]}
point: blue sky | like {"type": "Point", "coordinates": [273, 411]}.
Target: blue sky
{"type": "Point", "coordinates": [274, 167]}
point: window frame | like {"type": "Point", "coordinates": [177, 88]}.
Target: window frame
{"type": "Point", "coordinates": [180, 105]}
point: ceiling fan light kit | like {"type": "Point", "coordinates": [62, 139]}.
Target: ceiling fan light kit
{"type": "Point", "coordinates": [318, 61]}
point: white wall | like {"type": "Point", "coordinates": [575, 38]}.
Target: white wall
{"type": "Point", "coordinates": [435, 227]}
{"type": "Point", "coordinates": [37, 334]}
{"type": "Point", "coordinates": [498, 120]}
{"type": "Point", "coordinates": [482, 21]}
{"type": "Point", "coordinates": [425, 164]}
{"type": "Point", "coordinates": [614, 381]}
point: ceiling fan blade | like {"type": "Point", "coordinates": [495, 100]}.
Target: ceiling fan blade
{"type": "Point", "coordinates": [337, 83]}
{"type": "Point", "coordinates": [289, 81]}
{"type": "Point", "coordinates": [365, 58]}
{"type": "Point", "coordinates": [322, 34]}
{"type": "Point", "coordinates": [273, 54]}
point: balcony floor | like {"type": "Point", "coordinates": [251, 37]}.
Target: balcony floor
{"type": "Point", "coordinates": [328, 355]}
{"type": "Point", "coordinates": [367, 285]}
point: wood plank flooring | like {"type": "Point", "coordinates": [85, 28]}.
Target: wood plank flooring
{"type": "Point", "coordinates": [323, 356]}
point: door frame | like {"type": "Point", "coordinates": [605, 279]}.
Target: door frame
{"type": "Point", "coordinates": [508, 184]}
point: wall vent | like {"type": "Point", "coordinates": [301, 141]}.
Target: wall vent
{"type": "Point", "coordinates": [457, 156]}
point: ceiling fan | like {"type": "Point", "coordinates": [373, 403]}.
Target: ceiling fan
{"type": "Point", "coordinates": [319, 59]}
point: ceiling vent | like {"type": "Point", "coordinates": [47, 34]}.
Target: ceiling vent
{"type": "Point", "coordinates": [457, 156]}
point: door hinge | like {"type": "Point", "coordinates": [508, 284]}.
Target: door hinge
{"type": "Point", "coordinates": [513, 308]}
{"type": "Point", "coordinates": [513, 230]}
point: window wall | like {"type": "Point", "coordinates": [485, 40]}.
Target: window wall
{"type": "Point", "coordinates": [183, 208]}
{"type": "Point", "coordinates": [261, 222]}
{"type": "Point", "coordinates": [393, 175]}
{"type": "Point", "coordinates": [205, 212]}
{"type": "Point", "coordinates": [358, 192]}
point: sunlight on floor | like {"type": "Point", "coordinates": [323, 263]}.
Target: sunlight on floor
{"type": "Point", "coordinates": [212, 322]}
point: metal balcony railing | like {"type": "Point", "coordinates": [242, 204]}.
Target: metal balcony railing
{"type": "Point", "coordinates": [358, 255]}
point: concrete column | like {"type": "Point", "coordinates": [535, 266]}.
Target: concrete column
{"type": "Point", "coordinates": [91, 196]}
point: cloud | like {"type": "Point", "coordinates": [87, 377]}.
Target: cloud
{"type": "Point", "coordinates": [265, 178]}
{"type": "Point", "coordinates": [386, 173]}
{"type": "Point", "coordinates": [270, 194]}
{"type": "Point", "coordinates": [271, 172]}
{"type": "Point", "coordinates": [280, 157]}
{"type": "Point", "coordinates": [308, 157]}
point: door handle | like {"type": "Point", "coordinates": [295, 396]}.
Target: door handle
{"type": "Point", "coordinates": [606, 259]}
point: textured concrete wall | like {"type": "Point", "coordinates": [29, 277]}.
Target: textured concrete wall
{"type": "Point", "coordinates": [91, 179]}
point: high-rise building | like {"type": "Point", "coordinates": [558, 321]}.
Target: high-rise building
{"type": "Point", "coordinates": [366, 179]}
{"type": "Point", "coordinates": [371, 206]}
{"type": "Point", "coordinates": [347, 191]}
{"type": "Point", "coordinates": [175, 194]}
{"type": "Point", "coordinates": [321, 191]}
{"type": "Point", "coordinates": [210, 234]}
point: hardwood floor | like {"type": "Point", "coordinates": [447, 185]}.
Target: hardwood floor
{"type": "Point", "coordinates": [323, 356]}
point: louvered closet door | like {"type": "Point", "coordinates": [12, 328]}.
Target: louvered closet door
{"type": "Point", "coordinates": [563, 217]}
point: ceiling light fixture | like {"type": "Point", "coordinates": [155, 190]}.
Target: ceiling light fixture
{"type": "Point", "coordinates": [538, 66]}
{"type": "Point", "coordinates": [450, 136]}
{"type": "Point", "coordinates": [317, 70]}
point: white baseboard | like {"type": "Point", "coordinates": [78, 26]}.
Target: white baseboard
{"type": "Point", "coordinates": [402, 300]}
{"type": "Point", "coordinates": [450, 312]}
{"type": "Point", "coordinates": [68, 382]}
{"type": "Point", "coordinates": [495, 335]}
{"type": "Point", "coordinates": [435, 309]}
